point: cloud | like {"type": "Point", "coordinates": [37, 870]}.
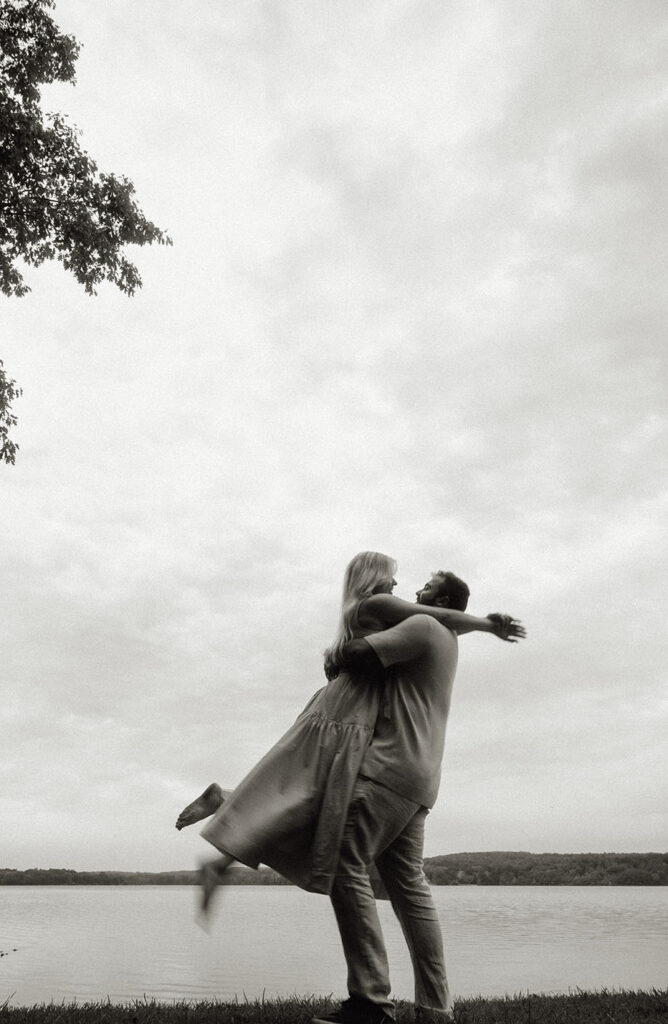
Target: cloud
{"type": "Point", "coordinates": [413, 305]}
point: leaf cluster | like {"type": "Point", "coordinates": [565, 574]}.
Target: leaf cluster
{"type": "Point", "coordinates": [54, 203]}
{"type": "Point", "coordinates": [8, 392]}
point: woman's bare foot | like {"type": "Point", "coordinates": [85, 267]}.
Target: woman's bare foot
{"type": "Point", "coordinates": [208, 881]}
{"type": "Point", "coordinates": [210, 876]}
{"type": "Point", "coordinates": [207, 803]}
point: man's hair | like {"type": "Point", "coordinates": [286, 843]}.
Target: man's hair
{"type": "Point", "coordinates": [453, 588]}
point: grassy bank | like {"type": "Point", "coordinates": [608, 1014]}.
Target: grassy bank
{"type": "Point", "coordinates": [578, 1008]}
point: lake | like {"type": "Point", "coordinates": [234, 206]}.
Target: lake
{"type": "Point", "coordinates": [66, 943]}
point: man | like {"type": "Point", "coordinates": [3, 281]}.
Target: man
{"type": "Point", "coordinates": [398, 783]}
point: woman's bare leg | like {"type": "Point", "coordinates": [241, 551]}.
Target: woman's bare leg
{"type": "Point", "coordinates": [206, 803]}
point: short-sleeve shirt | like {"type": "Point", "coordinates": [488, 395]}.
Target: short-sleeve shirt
{"type": "Point", "coordinates": [406, 751]}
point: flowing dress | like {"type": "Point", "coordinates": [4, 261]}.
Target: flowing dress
{"type": "Point", "coordinates": [290, 810]}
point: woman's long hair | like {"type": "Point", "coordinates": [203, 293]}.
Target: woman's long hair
{"type": "Point", "coordinates": [364, 573]}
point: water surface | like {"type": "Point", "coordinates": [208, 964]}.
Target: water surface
{"type": "Point", "coordinates": [66, 943]}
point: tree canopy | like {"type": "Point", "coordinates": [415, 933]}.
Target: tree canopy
{"type": "Point", "coordinates": [54, 203]}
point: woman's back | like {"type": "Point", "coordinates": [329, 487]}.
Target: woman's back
{"type": "Point", "coordinates": [350, 699]}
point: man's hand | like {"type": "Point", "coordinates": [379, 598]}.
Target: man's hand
{"type": "Point", "coordinates": [506, 627]}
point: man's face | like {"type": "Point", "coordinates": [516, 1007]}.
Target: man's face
{"type": "Point", "coordinates": [429, 592]}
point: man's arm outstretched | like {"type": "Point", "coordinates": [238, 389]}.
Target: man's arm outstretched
{"type": "Point", "coordinates": [360, 656]}
{"type": "Point", "coordinates": [390, 610]}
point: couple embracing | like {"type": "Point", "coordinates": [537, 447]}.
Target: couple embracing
{"type": "Point", "coordinates": [350, 784]}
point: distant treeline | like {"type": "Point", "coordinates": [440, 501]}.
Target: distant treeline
{"type": "Point", "coordinates": [548, 869]}
{"type": "Point", "coordinates": [236, 875]}
{"type": "Point", "coordinates": [451, 869]}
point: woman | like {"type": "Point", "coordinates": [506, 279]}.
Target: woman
{"type": "Point", "coordinates": [290, 810]}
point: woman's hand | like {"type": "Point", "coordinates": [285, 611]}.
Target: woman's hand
{"type": "Point", "coordinates": [331, 671]}
{"type": "Point", "coordinates": [506, 627]}
{"type": "Point", "coordinates": [355, 656]}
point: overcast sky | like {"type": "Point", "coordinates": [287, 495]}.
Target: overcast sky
{"type": "Point", "coordinates": [415, 304]}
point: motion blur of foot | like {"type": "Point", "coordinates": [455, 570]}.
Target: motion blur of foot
{"type": "Point", "coordinates": [209, 881]}
{"type": "Point", "coordinates": [210, 876]}
{"type": "Point", "coordinates": [207, 803]}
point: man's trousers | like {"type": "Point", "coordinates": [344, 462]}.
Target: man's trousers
{"type": "Point", "coordinates": [387, 828]}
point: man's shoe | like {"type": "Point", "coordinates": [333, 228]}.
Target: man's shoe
{"type": "Point", "coordinates": [423, 1016]}
{"type": "Point", "coordinates": [355, 1011]}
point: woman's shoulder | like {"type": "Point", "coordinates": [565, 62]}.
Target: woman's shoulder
{"type": "Point", "coordinates": [369, 617]}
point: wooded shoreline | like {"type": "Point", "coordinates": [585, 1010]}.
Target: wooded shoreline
{"type": "Point", "coordinates": [494, 868]}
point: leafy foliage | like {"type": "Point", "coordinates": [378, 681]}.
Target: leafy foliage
{"type": "Point", "coordinates": [54, 203]}
{"type": "Point", "coordinates": [8, 392]}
